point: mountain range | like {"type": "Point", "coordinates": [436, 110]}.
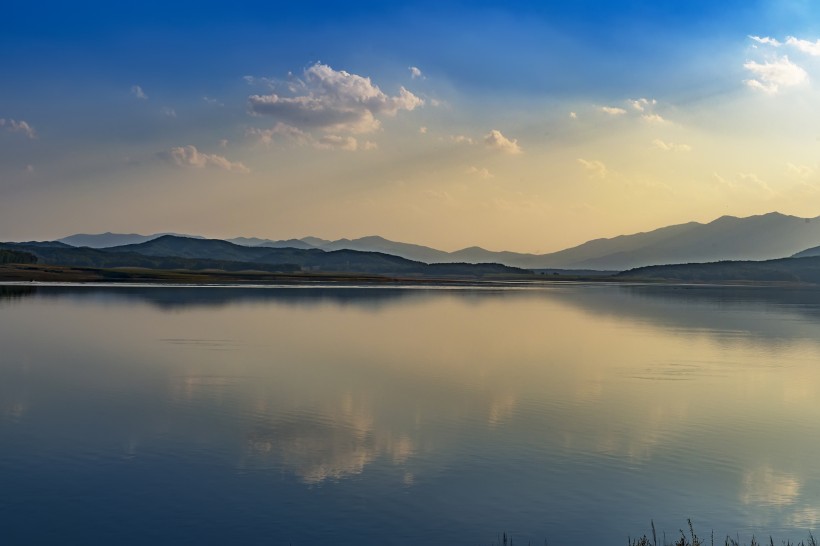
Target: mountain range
{"type": "Point", "coordinates": [763, 237]}
{"type": "Point", "coordinates": [171, 252]}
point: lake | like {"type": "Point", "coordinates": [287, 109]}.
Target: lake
{"type": "Point", "coordinates": [327, 415]}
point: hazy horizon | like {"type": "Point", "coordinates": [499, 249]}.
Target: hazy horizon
{"type": "Point", "coordinates": [529, 128]}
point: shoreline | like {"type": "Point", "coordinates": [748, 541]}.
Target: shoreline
{"type": "Point", "coordinates": [47, 275]}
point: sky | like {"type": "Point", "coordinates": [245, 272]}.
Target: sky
{"type": "Point", "coordinates": [522, 126]}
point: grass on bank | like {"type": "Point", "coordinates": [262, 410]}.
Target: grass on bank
{"type": "Point", "coordinates": [692, 539]}
{"type": "Point", "coordinates": [685, 539]}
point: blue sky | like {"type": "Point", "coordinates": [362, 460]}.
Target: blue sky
{"type": "Point", "coordinates": [520, 125]}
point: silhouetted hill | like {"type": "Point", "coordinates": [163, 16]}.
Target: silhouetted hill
{"type": "Point", "coordinates": [762, 237]}
{"type": "Point", "coordinates": [815, 251]}
{"type": "Point", "coordinates": [374, 243]}
{"type": "Point", "coordinates": [783, 270]}
{"type": "Point", "coordinates": [97, 258]}
{"type": "Point", "coordinates": [173, 252]}
{"type": "Point", "coordinates": [108, 239]}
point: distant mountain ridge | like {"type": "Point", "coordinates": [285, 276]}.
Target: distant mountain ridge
{"type": "Point", "coordinates": [108, 239]}
{"type": "Point", "coordinates": [763, 237]}
{"type": "Point", "coordinates": [173, 252]}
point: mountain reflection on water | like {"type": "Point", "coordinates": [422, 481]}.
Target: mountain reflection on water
{"type": "Point", "coordinates": [333, 415]}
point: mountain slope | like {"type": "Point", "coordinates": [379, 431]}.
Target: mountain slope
{"type": "Point", "coordinates": [108, 239]}
{"type": "Point", "coordinates": [762, 237]}
{"type": "Point", "coordinates": [375, 243]}
{"type": "Point", "coordinates": [783, 270]}
{"type": "Point", "coordinates": [171, 252]}
{"type": "Point", "coordinates": [314, 259]}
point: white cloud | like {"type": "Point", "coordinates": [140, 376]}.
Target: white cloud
{"type": "Point", "coordinates": [169, 112]}
{"type": "Point", "coordinates": [266, 136]}
{"type": "Point", "coordinates": [212, 101]}
{"type": "Point", "coordinates": [801, 171]}
{"type": "Point", "coordinates": [594, 168]}
{"type": "Point", "coordinates": [671, 146]}
{"type": "Point", "coordinates": [189, 156]}
{"type": "Point", "coordinates": [804, 46]}
{"type": "Point", "coordinates": [333, 101]}
{"type": "Point", "coordinates": [480, 172]}
{"type": "Point", "coordinates": [415, 72]}
{"type": "Point", "coordinates": [752, 181]}
{"type": "Point", "coordinates": [494, 139]}
{"type": "Point", "coordinates": [769, 77]}
{"type": "Point", "coordinates": [653, 118]}
{"type": "Point", "coordinates": [766, 41]}
{"type": "Point", "coordinates": [612, 110]}
{"type": "Point", "coordinates": [642, 103]}
{"type": "Point", "coordinates": [337, 142]}
{"type": "Point", "coordinates": [423, 130]}
{"type": "Point", "coordinates": [18, 126]}
{"type": "Point", "coordinates": [137, 91]}
{"type": "Point", "coordinates": [461, 139]}
{"type": "Point", "coordinates": [811, 48]}
{"type": "Point", "coordinates": [573, 115]}
{"type": "Point", "coordinates": [323, 142]}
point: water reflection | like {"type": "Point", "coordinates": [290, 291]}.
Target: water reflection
{"type": "Point", "coordinates": [458, 412]}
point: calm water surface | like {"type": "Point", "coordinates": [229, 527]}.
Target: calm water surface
{"type": "Point", "coordinates": [571, 413]}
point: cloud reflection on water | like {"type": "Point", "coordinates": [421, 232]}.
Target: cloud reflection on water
{"type": "Point", "coordinates": [662, 384]}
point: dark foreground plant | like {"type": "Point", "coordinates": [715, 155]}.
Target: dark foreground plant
{"type": "Point", "coordinates": [694, 540]}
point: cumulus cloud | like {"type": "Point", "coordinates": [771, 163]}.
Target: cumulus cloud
{"type": "Point", "coordinates": [415, 72]}
{"type": "Point", "coordinates": [18, 126]}
{"type": "Point", "coordinates": [323, 142]}
{"type": "Point", "coordinates": [573, 115]}
{"type": "Point", "coordinates": [480, 172]}
{"type": "Point", "coordinates": [770, 76]}
{"type": "Point", "coordinates": [671, 146]}
{"type": "Point", "coordinates": [765, 40]}
{"type": "Point", "coordinates": [805, 46]}
{"type": "Point", "coordinates": [337, 142]}
{"type": "Point", "coordinates": [494, 139]}
{"type": "Point", "coordinates": [801, 171]}
{"type": "Point", "coordinates": [137, 91]}
{"type": "Point", "coordinates": [189, 156]}
{"type": "Point", "coordinates": [613, 110]}
{"type": "Point", "coordinates": [460, 139]}
{"type": "Point", "coordinates": [653, 118]}
{"type": "Point", "coordinates": [333, 101]}
{"type": "Point", "coordinates": [266, 136]}
{"type": "Point", "coordinates": [642, 104]}
{"type": "Point", "coordinates": [594, 168]}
